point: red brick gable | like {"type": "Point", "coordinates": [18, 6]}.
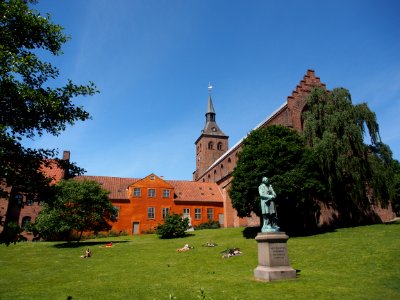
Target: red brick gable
{"type": "Point", "coordinates": [196, 191]}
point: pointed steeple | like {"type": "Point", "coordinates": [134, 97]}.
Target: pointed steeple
{"type": "Point", "coordinates": [211, 143]}
{"type": "Point", "coordinates": [211, 126]}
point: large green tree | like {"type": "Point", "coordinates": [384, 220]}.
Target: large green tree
{"type": "Point", "coordinates": [29, 103]}
{"type": "Point", "coordinates": [77, 206]}
{"type": "Point", "coordinates": [278, 153]}
{"type": "Point", "coordinates": [344, 138]}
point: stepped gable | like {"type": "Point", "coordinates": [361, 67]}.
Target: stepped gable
{"type": "Point", "coordinates": [297, 101]}
{"type": "Point", "coordinates": [196, 191]}
{"type": "Point", "coordinates": [118, 187]}
{"type": "Point", "coordinates": [289, 113]}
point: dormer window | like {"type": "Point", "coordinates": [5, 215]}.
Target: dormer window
{"type": "Point", "coordinates": [152, 177]}
{"type": "Point", "coordinates": [213, 129]}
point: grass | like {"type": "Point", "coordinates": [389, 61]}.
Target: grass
{"type": "Point", "coordinates": [350, 263]}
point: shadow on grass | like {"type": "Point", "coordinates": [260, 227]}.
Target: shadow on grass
{"type": "Point", "coordinates": [85, 244]}
{"type": "Point", "coordinates": [177, 237]}
{"type": "Point", "coordinates": [251, 232]}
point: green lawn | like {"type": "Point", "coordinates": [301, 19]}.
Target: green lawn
{"type": "Point", "coordinates": [351, 263]}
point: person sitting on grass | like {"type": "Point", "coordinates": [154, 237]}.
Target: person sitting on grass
{"type": "Point", "coordinates": [87, 254]}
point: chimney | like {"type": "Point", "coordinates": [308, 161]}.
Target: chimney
{"type": "Point", "coordinates": [66, 155]}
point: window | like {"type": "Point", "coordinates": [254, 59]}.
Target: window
{"type": "Point", "coordinates": [186, 213]}
{"type": "Point", "coordinates": [152, 177]}
{"type": "Point", "coordinates": [210, 145]}
{"type": "Point", "coordinates": [210, 213]}
{"type": "Point", "coordinates": [25, 222]}
{"type": "Point", "coordinates": [165, 212]}
{"type": "Point", "coordinates": [115, 216]}
{"type": "Point", "coordinates": [29, 200]}
{"type": "Point", "coordinates": [151, 192]}
{"type": "Point", "coordinates": [219, 146]}
{"type": "Point", "coordinates": [150, 212]}
{"type": "Point", "coordinates": [197, 213]}
{"type": "Point", "coordinates": [19, 199]}
{"type": "Point", "coordinates": [136, 192]}
{"type": "Point", "coordinates": [166, 193]}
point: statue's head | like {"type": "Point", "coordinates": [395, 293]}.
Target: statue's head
{"type": "Point", "coordinates": [265, 179]}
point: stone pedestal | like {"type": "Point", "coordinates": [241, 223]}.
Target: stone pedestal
{"type": "Point", "coordinates": [273, 261]}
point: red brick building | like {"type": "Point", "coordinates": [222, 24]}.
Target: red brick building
{"type": "Point", "coordinates": [219, 168]}
{"type": "Point", "coordinates": [25, 208]}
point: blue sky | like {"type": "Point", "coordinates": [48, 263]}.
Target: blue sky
{"type": "Point", "coordinates": [152, 62]}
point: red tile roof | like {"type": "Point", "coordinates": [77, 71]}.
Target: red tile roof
{"type": "Point", "coordinates": [184, 190]}
{"type": "Point", "coordinates": [117, 186]}
{"type": "Point", "coordinates": [53, 171]}
{"type": "Point", "coordinates": [196, 191]}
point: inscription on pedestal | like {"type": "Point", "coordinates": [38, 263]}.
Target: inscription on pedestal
{"type": "Point", "coordinates": [279, 256]}
{"type": "Point", "coordinates": [273, 261]}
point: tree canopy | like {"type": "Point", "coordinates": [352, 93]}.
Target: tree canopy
{"type": "Point", "coordinates": [29, 105]}
{"type": "Point", "coordinates": [278, 153]}
{"type": "Point", "coordinates": [356, 173]}
{"type": "Point", "coordinates": [77, 206]}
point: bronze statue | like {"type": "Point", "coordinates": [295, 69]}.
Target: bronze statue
{"type": "Point", "coordinates": [268, 209]}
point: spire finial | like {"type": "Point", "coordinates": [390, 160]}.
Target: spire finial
{"type": "Point", "coordinates": [209, 88]}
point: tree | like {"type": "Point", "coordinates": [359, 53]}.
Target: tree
{"type": "Point", "coordinates": [355, 173]}
{"type": "Point", "coordinates": [77, 206]}
{"type": "Point", "coordinates": [29, 105]}
{"type": "Point", "coordinates": [174, 226]}
{"type": "Point", "coordinates": [278, 153]}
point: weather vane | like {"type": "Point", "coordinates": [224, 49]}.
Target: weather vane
{"type": "Point", "coordinates": [209, 88]}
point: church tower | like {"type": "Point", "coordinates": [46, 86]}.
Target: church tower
{"type": "Point", "coordinates": [212, 142]}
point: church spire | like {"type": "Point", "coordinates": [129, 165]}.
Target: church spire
{"type": "Point", "coordinates": [211, 143]}
{"type": "Point", "coordinates": [211, 126]}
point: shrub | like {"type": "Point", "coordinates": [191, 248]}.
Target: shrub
{"type": "Point", "coordinates": [210, 224]}
{"type": "Point", "coordinates": [174, 226]}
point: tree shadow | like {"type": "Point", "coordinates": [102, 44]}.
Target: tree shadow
{"type": "Point", "coordinates": [251, 232]}
{"type": "Point", "coordinates": [86, 244]}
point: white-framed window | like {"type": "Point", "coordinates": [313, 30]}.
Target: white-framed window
{"type": "Point", "coordinates": [150, 213]}
{"type": "Point", "coordinates": [136, 192]}
{"type": "Point", "coordinates": [166, 193]}
{"type": "Point", "coordinates": [151, 192]}
{"type": "Point", "coordinates": [165, 212]}
{"type": "Point", "coordinates": [197, 213]}
{"type": "Point", "coordinates": [186, 213]}
{"type": "Point", "coordinates": [210, 214]}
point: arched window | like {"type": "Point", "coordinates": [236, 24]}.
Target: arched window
{"type": "Point", "coordinates": [219, 146]}
{"type": "Point", "coordinates": [26, 221]}
{"type": "Point", "coordinates": [229, 160]}
{"type": "Point", "coordinates": [210, 145]}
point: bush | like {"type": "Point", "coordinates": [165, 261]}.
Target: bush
{"type": "Point", "coordinates": [174, 226]}
{"type": "Point", "coordinates": [11, 234]}
{"type": "Point", "coordinates": [210, 224]}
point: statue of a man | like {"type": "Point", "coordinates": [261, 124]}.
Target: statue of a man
{"type": "Point", "coordinates": [268, 210]}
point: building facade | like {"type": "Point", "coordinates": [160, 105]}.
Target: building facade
{"type": "Point", "coordinates": [143, 204]}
